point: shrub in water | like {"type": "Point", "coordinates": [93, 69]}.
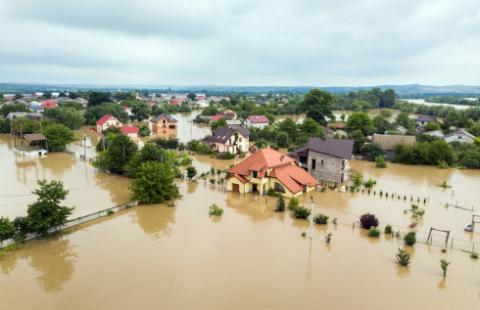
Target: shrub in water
{"type": "Point", "coordinates": [215, 210]}
{"type": "Point", "coordinates": [368, 220]}
{"type": "Point", "coordinates": [410, 238]}
{"type": "Point", "coordinates": [293, 204]}
{"type": "Point", "coordinates": [380, 162]}
{"type": "Point", "coordinates": [444, 265]}
{"type": "Point", "coordinates": [109, 212]}
{"type": "Point", "coordinates": [403, 258]}
{"type": "Point", "coordinates": [474, 255]}
{"type": "Point", "coordinates": [301, 213]}
{"type": "Point", "coordinates": [388, 230]}
{"type": "Point", "coordinates": [328, 237]}
{"type": "Point", "coordinates": [369, 183]}
{"type": "Point", "coordinates": [373, 232]}
{"type": "Point", "coordinates": [320, 219]}
{"type": "Point", "coordinates": [280, 206]}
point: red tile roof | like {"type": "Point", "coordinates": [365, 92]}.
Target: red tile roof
{"type": "Point", "coordinates": [216, 117]}
{"type": "Point", "coordinates": [258, 119]}
{"type": "Point", "coordinates": [104, 119]}
{"type": "Point", "coordinates": [49, 104]}
{"type": "Point", "coordinates": [127, 129]}
{"type": "Point", "coordinates": [283, 168]}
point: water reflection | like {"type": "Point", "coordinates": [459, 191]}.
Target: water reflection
{"type": "Point", "coordinates": [155, 220]}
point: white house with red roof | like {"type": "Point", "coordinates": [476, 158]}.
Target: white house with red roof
{"type": "Point", "coordinates": [130, 131]}
{"type": "Point", "coordinates": [106, 122]}
{"type": "Point", "coordinates": [269, 169]}
{"type": "Point", "coordinates": [257, 121]}
{"type": "Point", "coordinates": [49, 104]}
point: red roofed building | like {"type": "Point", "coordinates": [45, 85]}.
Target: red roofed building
{"type": "Point", "coordinates": [269, 169]}
{"type": "Point", "coordinates": [131, 131]}
{"type": "Point", "coordinates": [106, 122]}
{"type": "Point", "coordinates": [176, 101]}
{"type": "Point", "coordinates": [216, 117]}
{"type": "Point", "coordinates": [229, 114]}
{"type": "Point", "coordinates": [256, 121]}
{"type": "Point", "coordinates": [49, 104]}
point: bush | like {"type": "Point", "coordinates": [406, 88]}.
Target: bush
{"type": "Point", "coordinates": [373, 232]}
{"type": "Point", "coordinates": [474, 255]}
{"type": "Point", "coordinates": [7, 229]}
{"type": "Point", "coordinates": [403, 258]}
{"type": "Point", "coordinates": [225, 155]}
{"type": "Point", "coordinates": [320, 219]}
{"type": "Point", "coordinates": [388, 230]}
{"type": "Point", "coordinates": [369, 183]}
{"type": "Point", "coordinates": [280, 205]}
{"type": "Point", "coordinates": [410, 238]}
{"type": "Point", "coordinates": [215, 210]}
{"type": "Point", "coordinates": [110, 212]}
{"type": "Point", "coordinates": [380, 161]}
{"type": "Point", "coordinates": [293, 204]}
{"type": "Point", "coordinates": [301, 213]}
{"type": "Point", "coordinates": [368, 220]}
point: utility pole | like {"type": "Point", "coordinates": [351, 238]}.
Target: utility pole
{"type": "Point", "coordinates": [84, 147]}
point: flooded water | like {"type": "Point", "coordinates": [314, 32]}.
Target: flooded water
{"type": "Point", "coordinates": [155, 257]}
{"type": "Point", "coordinates": [433, 104]}
{"type": "Point", "coordinates": [90, 190]}
{"type": "Point", "coordinates": [188, 130]}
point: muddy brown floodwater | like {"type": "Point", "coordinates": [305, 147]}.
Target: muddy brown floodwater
{"type": "Point", "coordinates": [155, 257]}
{"type": "Point", "coordinates": [90, 190]}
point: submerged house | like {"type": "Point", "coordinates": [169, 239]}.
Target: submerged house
{"type": "Point", "coordinates": [230, 140]}
{"type": "Point", "coordinates": [268, 169]}
{"type": "Point", "coordinates": [164, 124]}
{"type": "Point", "coordinates": [461, 136]}
{"type": "Point", "coordinates": [328, 160]}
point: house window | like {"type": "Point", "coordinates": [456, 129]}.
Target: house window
{"type": "Point", "coordinates": [314, 164]}
{"type": "Point", "coordinates": [322, 162]}
{"type": "Point", "coordinates": [254, 174]}
{"type": "Point", "coordinates": [279, 187]}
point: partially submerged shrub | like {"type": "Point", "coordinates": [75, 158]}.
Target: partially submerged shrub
{"type": "Point", "coordinates": [328, 238]}
{"type": "Point", "coordinates": [444, 265]}
{"type": "Point", "coordinates": [380, 161]}
{"type": "Point", "coordinates": [369, 183]}
{"type": "Point", "coordinates": [403, 258]}
{"type": "Point", "coordinates": [320, 219]}
{"type": "Point", "coordinates": [474, 255]}
{"type": "Point", "coordinates": [373, 232]}
{"type": "Point", "coordinates": [388, 230]}
{"type": "Point", "coordinates": [215, 210]}
{"type": "Point", "coordinates": [293, 204]}
{"type": "Point", "coordinates": [110, 212]}
{"type": "Point", "coordinates": [301, 212]}
{"type": "Point", "coordinates": [410, 238]}
{"type": "Point", "coordinates": [280, 205]}
{"type": "Point", "coordinates": [368, 220]}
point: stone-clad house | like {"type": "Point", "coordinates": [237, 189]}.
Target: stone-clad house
{"type": "Point", "coordinates": [328, 160]}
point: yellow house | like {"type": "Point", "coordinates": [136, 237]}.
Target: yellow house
{"type": "Point", "coordinates": [269, 169]}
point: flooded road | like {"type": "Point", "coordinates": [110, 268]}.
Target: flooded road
{"type": "Point", "coordinates": [155, 257]}
{"type": "Point", "coordinates": [90, 190]}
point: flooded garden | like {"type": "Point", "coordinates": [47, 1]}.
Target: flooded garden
{"type": "Point", "coordinates": [251, 257]}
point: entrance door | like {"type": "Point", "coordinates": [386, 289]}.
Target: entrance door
{"type": "Point", "coordinates": [254, 188]}
{"type": "Point", "coordinates": [235, 188]}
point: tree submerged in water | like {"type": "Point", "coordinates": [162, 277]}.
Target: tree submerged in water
{"type": "Point", "coordinates": [403, 258]}
{"type": "Point", "coordinates": [444, 265]}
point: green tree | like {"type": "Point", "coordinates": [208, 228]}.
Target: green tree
{"type": "Point", "coordinates": [217, 124]}
{"type": "Point", "coordinates": [140, 110]}
{"type": "Point", "coordinates": [387, 99]}
{"type": "Point", "coordinates": [94, 113]}
{"type": "Point", "coordinates": [360, 121]}
{"type": "Point", "coordinates": [154, 183]}
{"type": "Point", "coordinates": [191, 172]}
{"type": "Point", "coordinates": [120, 150]}
{"type": "Point", "coordinates": [150, 152]}
{"type": "Point", "coordinates": [444, 265]}
{"type": "Point", "coordinates": [47, 95]}
{"type": "Point", "coordinates": [381, 124]}
{"type": "Point", "coordinates": [144, 130]}
{"type": "Point", "coordinates": [358, 141]}
{"type": "Point", "coordinates": [15, 107]}
{"type": "Point", "coordinates": [192, 96]}
{"type": "Point", "coordinates": [318, 105]}
{"type": "Point", "coordinates": [58, 136]}
{"type": "Point", "coordinates": [46, 212]}
{"type": "Point", "coordinates": [7, 229]}
{"type": "Point", "coordinates": [372, 150]}
{"type": "Point", "coordinates": [69, 117]}
{"type": "Point", "coordinates": [98, 98]}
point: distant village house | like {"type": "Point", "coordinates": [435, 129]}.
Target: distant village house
{"type": "Point", "coordinates": [230, 140]}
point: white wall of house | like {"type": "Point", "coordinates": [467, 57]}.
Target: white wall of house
{"type": "Point", "coordinates": [111, 122]}
{"type": "Point", "coordinates": [249, 124]}
{"type": "Point", "coordinates": [459, 138]}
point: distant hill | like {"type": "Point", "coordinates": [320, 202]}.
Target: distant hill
{"type": "Point", "coordinates": [410, 90]}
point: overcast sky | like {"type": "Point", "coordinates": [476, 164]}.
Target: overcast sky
{"type": "Point", "coordinates": [240, 42]}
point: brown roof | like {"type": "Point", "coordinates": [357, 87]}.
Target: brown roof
{"type": "Point", "coordinates": [166, 116]}
{"type": "Point", "coordinates": [389, 142]}
{"type": "Point", "coordinates": [337, 125]}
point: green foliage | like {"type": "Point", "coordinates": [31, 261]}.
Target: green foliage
{"type": "Point", "coordinates": [280, 205]}
{"type": "Point", "coordinates": [154, 183]}
{"type": "Point", "coordinates": [7, 229]}
{"type": "Point", "coordinates": [474, 255]}
{"type": "Point", "coordinates": [4, 125]}
{"type": "Point", "coordinates": [150, 152]}
{"type": "Point", "coordinates": [217, 124]}
{"type": "Point", "coordinates": [372, 150]}
{"type": "Point", "coordinates": [69, 117]}
{"type": "Point", "coordinates": [427, 153]}
{"type": "Point", "coordinates": [293, 204]}
{"type": "Point", "coordinates": [94, 113]}
{"type": "Point", "coordinates": [301, 212]}
{"type": "Point", "coordinates": [110, 212]}
{"type": "Point", "coordinates": [191, 172]}
{"type": "Point", "coordinates": [380, 161]}
{"type": "Point", "coordinates": [410, 238]}
{"type": "Point", "coordinates": [215, 210]}
{"type": "Point", "coordinates": [432, 126]}
{"type": "Point", "coordinates": [444, 265]}
{"type": "Point", "coordinates": [58, 136]}
{"type": "Point", "coordinates": [98, 98]}
{"type": "Point", "coordinates": [120, 150]}
{"type": "Point", "coordinates": [46, 212]}
{"type": "Point", "coordinates": [373, 232]}
{"type": "Point", "coordinates": [360, 121]}
{"type": "Point", "coordinates": [171, 143]}
{"type": "Point", "coordinates": [388, 230]}
{"type": "Point", "coordinates": [358, 141]}
{"type": "Point", "coordinates": [198, 147]}
{"type": "Point", "coordinates": [403, 258]}
{"type": "Point", "coordinates": [318, 105]}
{"type": "Point", "coordinates": [369, 183]}
{"type": "Point", "coordinates": [144, 131]}
{"type": "Point", "coordinates": [14, 107]}
{"type": "Point", "coordinates": [320, 219]}
{"type": "Point", "coordinates": [357, 179]}
{"type": "Point", "coordinates": [140, 110]}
